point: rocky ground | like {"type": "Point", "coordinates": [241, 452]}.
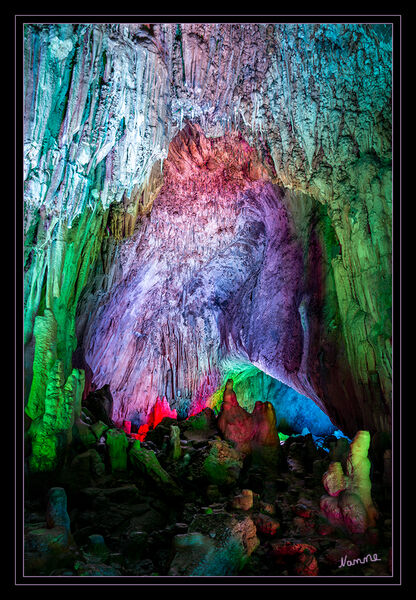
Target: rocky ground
{"type": "Point", "coordinates": [188, 502]}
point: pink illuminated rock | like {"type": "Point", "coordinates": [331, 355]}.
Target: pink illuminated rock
{"type": "Point", "coordinates": [331, 510]}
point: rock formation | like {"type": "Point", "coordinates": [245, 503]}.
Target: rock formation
{"type": "Point", "coordinates": [349, 503]}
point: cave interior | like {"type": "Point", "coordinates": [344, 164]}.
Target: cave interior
{"type": "Point", "coordinates": [207, 299]}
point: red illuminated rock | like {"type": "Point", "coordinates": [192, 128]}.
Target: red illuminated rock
{"type": "Point", "coordinates": [266, 525]}
{"type": "Point", "coordinates": [254, 433]}
{"type": "Point", "coordinates": [289, 547]}
{"type": "Point", "coordinates": [306, 565]}
{"type": "Point", "coordinates": [234, 422]}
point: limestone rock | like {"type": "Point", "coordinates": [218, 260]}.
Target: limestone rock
{"type": "Point", "coordinates": [353, 511]}
{"type": "Point", "coordinates": [358, 472]}
{"type": "Point", "coordinates": [190, 550]}
{"type": "Point", "coordinates": [46, 540]}
{"type": "Point", "coordinates": [97, 546]}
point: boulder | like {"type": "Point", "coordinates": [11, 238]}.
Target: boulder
{"type": "Point", "coordinates": [44, 540]}
{"type": "Point", "coordinates": [306, 565]}
{"type": "Point", "coordinates": [266, 525]}
{"type": "Point", "coordinates": [331, 510]}
{"type": "Point", "coordinates": [243, 501]}
{"type": "Point", "coordinates": [223, 464]}
{"type": "Point", "coordinates": [216, 544]}
{"type": "Point", "coordinates": [97, 546]}
{"type": "Point", "coordinates": [354, 513]}
{"type": "Point", "coordinates": [190, 551]}
{"type": "Point", "coordinates": [220, 526]}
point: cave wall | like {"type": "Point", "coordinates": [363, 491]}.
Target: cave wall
{"type": "Point", "coordinates": [104, 101]}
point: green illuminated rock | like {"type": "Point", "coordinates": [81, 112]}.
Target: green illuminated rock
{"type": "Point", "coordinates": [45, 330]}
{"type": "Point", "coordinates": [175, 442]}
{"type": "Point", "coordinates": [146, 462]}
{"type": "Point", "coordinates": [51, 432]}
{"type": "Point", "coordinates": [117, 443]}
{"type": "Point", "coordinates": [358, 473]}
{"type": "Point", "coordinates": [98, 429]}
{"type": "Point", "coordinates": [223, 464]}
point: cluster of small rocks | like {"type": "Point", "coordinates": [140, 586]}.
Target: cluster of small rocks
{"type": "Point", "coordinates": [187, 502]}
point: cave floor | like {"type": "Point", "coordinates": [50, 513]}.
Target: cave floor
{"type": "Point", "coordinates": [133, 523]}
